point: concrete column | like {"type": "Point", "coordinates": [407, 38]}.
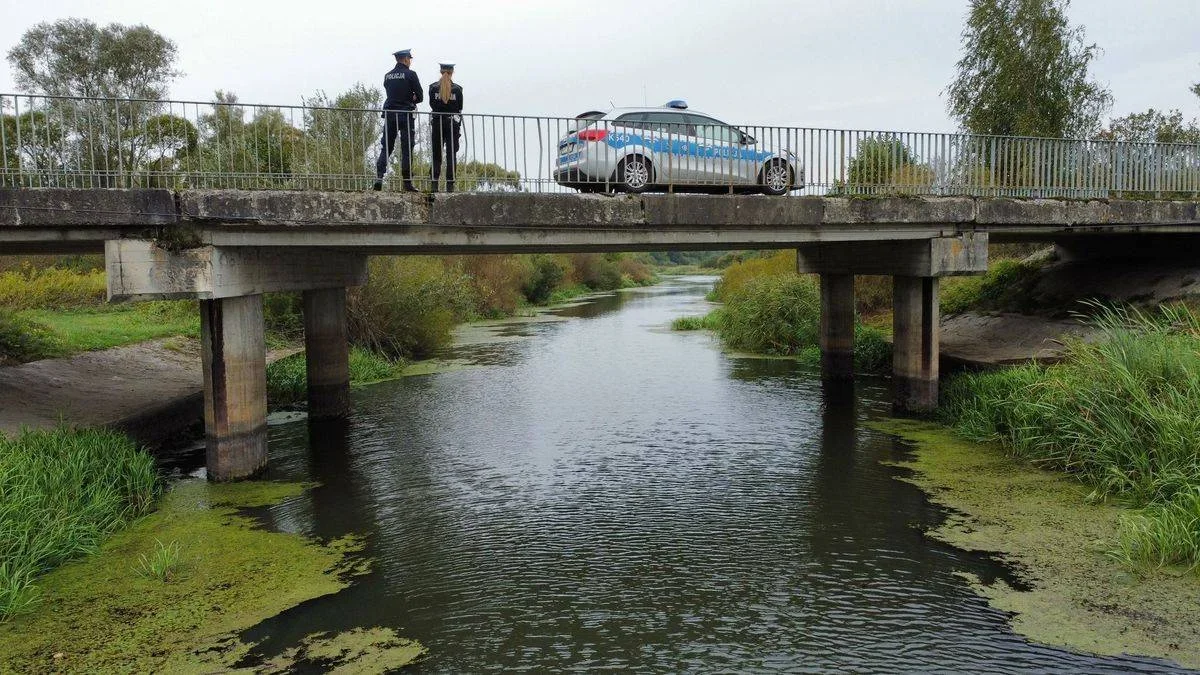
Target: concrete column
{"type": "Point", "coordinates": [837, 326]}
{"type": "Point", "coordinates": [915, 343]}
{"type": "Point", "coordinates": [327, 352]}
{"type": "Point", "coordinates": [234, 354]}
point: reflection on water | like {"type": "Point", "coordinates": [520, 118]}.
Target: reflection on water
{"type": "Point", "coordinates": [609, 494]}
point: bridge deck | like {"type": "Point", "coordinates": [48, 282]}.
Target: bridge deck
{"type": "Point", "coordinates": [63, 220]}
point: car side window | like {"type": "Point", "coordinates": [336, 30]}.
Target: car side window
{"type": "Point", "coordinates": [632, 121]}
{"type": "Point", "coordinates": [672, 123]}
{"type": "Point", "coordinates": [711, 130]}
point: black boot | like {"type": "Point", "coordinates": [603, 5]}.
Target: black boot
{"type": "Point", "coordinates": [409, 187]}
{"type": "Point", "coordinates": [377, 186]}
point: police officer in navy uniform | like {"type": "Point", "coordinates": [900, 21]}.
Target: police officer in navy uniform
{"type": "Point", "coordinates": [446, 101]}
{"type": "Point", "coordinates": [404, 92]}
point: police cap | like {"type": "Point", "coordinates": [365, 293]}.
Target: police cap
{"type": "Point", "coordinates": [403, 54]}
{"type": "Point", "coordinates": [446, 66]}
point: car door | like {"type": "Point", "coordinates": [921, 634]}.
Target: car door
{"type": "Point", "coordinates": [724, 157]}
{"type": "Point", "coordinates": [677, 145]}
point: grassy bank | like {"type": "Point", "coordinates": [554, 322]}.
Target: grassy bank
{"type": "Point", "coordinates": [61, 493]}
{"type": "Point", "coordinates": [287, 378]}
{"type": "Point", "coordinates": [767, 308]}
{"type": "Point", "coordinates": [1121, 413]}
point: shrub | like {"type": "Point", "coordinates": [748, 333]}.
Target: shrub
{"type": "Point", "coordinates": [22, 340]}
{"type": "Point", "coordinates": [497, 282]}
{"type": "Point", "coordinates": [63, 491]}
{"type": "Point", "coordinates": [597, 271]}
{"type": "Point", "coordinates": [546, 273]}
{"type": "Point", "coordinates": [408, 306]}
{"type": "Point", "coordinates": [1005, 282]}
{"type": "Point", "coordinates": [771, 314]}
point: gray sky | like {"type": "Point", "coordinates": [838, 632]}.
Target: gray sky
{"type": "Point", "coordinates": [868, 64]}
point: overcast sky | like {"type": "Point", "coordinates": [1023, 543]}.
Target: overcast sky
{"type": "Point", "coordinates": [868, 64]}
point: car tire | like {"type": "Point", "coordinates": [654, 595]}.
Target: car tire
{"type": "Point", "coordinates": [634, 174]}
{"type": "Point", "coordinates": [776, 178]}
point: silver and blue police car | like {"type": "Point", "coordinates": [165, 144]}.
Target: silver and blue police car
{"type": "Point", "coordinates": [641, 149]}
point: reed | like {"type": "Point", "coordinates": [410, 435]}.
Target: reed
{"type": "Point", "coordinates": [62, 491]}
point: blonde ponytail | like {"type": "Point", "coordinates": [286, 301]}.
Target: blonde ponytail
{"type": "Point", "coordinates": [444, 90]}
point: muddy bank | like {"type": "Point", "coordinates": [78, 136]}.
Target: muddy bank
{"type": "Point", "coordinates": [983, 340]}
{"type": "Point", "coordinates": [1042, 525]}
{"type": "Point", "coordinates": [151, 390]}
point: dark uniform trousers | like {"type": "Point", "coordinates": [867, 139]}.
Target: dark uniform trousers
{"type": "Point", "coordinates": [446, 133]}
{"type": "Point", "coordinates": [397, 123]}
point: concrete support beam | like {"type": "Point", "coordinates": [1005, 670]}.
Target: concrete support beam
{"type": "Point", "coordinates": [837, 326]}
{"type": "Point", "coordinates": [915, 344]}
{"type": "Point", "coordinates": [234, 355]}
{"type": "Point", "coordinates": [139, 269]}
{"type": "Point", "coordinates": [327, 353]}
{"type": "Point", "coordinates": [932, 257]}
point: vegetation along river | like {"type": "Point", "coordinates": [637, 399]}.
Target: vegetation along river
{"type": "Point", "coordinates": [599, 491]}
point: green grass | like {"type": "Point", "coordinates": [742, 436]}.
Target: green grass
{"type": "Point", "coordinates": [1122, 413]}
{"type": "Point", "coordinates": [62, 491]}
{"type": "Point", "coordinates": [693, 323]}
{"type": "Point", "coordinates": [22, 340]}
{"type": "Point", "coordinates": [163, 563]}
{"type": "Point", "coordinates": [81, 330]}
{"type": "Point", "coordinates": [287, 378]}
{"type": "Point", "coordinates": [1006, 286]}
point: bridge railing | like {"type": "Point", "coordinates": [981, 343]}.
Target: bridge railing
{"type": "Point", "coordinates": [96, 142]}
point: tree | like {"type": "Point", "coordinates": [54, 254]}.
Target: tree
{"type": "Point", "coordinates": [1024, 72]}
{"type": "Point", "coordinates": [75, 57]}
{"type": "Point", "coordinates": [1152, 126]}
{"type": "Point", "coordinates": [342, 137]}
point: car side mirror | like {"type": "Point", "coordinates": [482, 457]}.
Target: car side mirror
{"type": "Point", "coordinates": [747, 139]}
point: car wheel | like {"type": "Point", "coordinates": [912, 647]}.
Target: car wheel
{"type": "Point", "coordinates": [634, 174]}
{"type": "Point", "coordinates": [776, 178]}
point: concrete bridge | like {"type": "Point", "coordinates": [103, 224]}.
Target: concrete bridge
{"type": "Point", "coordinates": [228, 247]}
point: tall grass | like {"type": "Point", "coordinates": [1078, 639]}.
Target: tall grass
{"type": "Point", "coordinates": [61, 492]}
{"type": "Point", "coordinates": [24, 340]}
{"type": "Point", "coordinates": [1122, 412]}
{"type": "Point", "coordinates": [287, 378]}
{"type": "Point", "coordinates": [409, 305]}
{"type": "Point", "coordinates": [51, 287]}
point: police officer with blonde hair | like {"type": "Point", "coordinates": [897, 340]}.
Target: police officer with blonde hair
{"type": "Point", "coordinates": [446, 101]}
{"type": "Point", "coordinates": [403, 94]}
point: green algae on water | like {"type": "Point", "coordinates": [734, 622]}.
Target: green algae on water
{"type": "Point", "coordinates": [1042, 524]}
{"type": "Point", "coordinates": [99, 615]}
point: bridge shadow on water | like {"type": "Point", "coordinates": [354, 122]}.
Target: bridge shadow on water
{"type": "Point", "coordinates": [610, 494]}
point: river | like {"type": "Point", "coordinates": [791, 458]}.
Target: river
{"type": "Point", "coordinates": [600, 492]}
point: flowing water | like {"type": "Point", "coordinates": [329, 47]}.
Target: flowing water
{"type": "Point", "coordinates": [599, 492]}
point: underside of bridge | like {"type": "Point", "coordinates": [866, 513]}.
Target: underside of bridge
{"type": "Point", "coordinates": [226, 248]}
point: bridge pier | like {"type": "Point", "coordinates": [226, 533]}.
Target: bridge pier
{"type": "Point", "coordinates": [326, 352]}
{"type": "Point", "coordinates": [837, 326]}
{"type": "Point", "coordinates": [915, 266]}
{"type": "Point", "coordinates": [915, 332]}
{"type": "Point", "coordinates": [234, 354]}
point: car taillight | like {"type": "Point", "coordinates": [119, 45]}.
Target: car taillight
{"type": "Point", "coordinates": [588, 135]}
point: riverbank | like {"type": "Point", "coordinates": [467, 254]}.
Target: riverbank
{"type": "Point", "coordinates": [1044, 526]}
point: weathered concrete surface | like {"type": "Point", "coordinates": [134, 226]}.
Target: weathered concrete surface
{"type": "Point", "coordinates": [534, 210]}
{"type": "Point", "coordinates": [327, 352]}
{"type": "Point", "coordinates": [940, 256]}
{"type": "Point", "coordinates": [65, 207]}
{"type": "Point", "coordinates": [140, 270]}
{"type": "Point", "coordinates": [233, 356]}
{"type": "Point", "coordinates": [837, 326]}
{"type": "Point", "coordinates": [301, 208]}
{"type": "Point", "coordinates": [529, 222]}
{"type": "Point", "coordinates": [915, 344]}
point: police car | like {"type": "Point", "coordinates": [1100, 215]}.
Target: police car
{"type": "Point", "coordinates": [640, 149]}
